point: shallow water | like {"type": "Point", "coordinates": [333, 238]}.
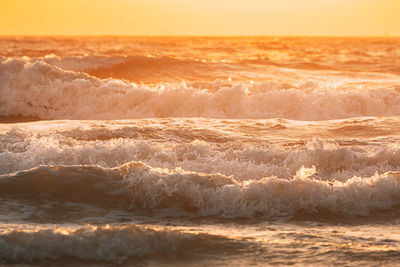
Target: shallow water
{"type": "Point", "coordinates": [195, 151]}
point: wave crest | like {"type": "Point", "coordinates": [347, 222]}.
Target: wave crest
{"type": "Point", "coordinates": [139, 187]}
{"type": "Point", "coordinates": [245, 149]}
{"type": "Point", "coordinates": [48, 92]}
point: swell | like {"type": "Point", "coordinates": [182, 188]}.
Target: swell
{"type": "Point", "coordinates": [137, 187]}
{"type": "Point", "coordinates": [352, 64]}
{"type": "Point", "coordinates": [109, 244]}
{"type": "Point", "coordinates": [151, 69]}
{"type": "Point", "coordinates": [342, 54]}
{"type": "Point", "coordinates": [165, 69]}
{"type": "Point", "coordinates": [138, 69]}
{"type": "Point", "coordinates": [43, 91]}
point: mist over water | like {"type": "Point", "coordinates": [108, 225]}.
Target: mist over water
{"type": "Point", "coordinates": [139, 150]}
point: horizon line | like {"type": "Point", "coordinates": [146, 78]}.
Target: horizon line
{"type": "Point", "coordinates": [200, 35]}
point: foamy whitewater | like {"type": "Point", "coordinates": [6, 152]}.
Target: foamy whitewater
{"type": "Point", "coordinates": [199, 151]}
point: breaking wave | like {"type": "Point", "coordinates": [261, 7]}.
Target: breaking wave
{"type": "Point", "coordinates": [47, 92]}
{"type": "Point", "coordinates": [242, 149]}
{"type": "Point", "coordinates": [138, 187]}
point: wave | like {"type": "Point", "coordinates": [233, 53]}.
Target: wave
{"type": "Point", "coordinates": [112, 244]}
{"type": "Point", "coordinates": [349, 65]}
{"type": "Point", "coordinates": [354, 55]}
{"type": "Point", "coordinates": [168, 69]}
{"type": "Point", "coordinates": [138, 68]}
{"type": "Point", "coordinates": [244, 149]}
{"type": "Point", "coordinates": [87, 63]}
{"type": "Point", "coordinates": [138, 187]}
{"type": "Point", "coordinates": [47, 92]}
{"type": "Point", "coordinates": [144, 68]}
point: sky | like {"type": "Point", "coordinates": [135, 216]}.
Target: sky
{"type": "Point", "coordinates": [201, 17]}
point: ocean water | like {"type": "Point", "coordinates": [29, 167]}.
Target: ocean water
{"type": "Point", "coordinates": [184, 151]}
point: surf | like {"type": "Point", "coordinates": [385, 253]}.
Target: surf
{"type": "Point", "coordinates": [47, 92]}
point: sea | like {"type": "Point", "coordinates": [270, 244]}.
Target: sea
{"type": "Point", "coordinates": [199, 151]}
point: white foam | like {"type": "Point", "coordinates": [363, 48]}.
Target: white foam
{"type": "Point", "coordinates": [170, 145]}
{"type": "Point", "coordinates": [272, 196]}
{"type": "Point", "coordinates": [201, 194]}
{"type": "Point", "coordinates": [47, 92]}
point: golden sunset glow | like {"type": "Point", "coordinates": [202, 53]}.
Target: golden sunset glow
{"type": "Point", "coordinates": [207, 17]}
{"type": "Point", "coordinates": [200, 132]}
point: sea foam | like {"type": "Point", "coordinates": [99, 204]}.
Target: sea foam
{"type": "Point", "coordinates": [244, 149]}
{"type": "Point", "coordinates": [138, 187]}
{"type": "Point", "coordinates": [48, 92]}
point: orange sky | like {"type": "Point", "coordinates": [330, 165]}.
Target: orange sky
{"type": "Point", "coordinates": [200, 17]}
